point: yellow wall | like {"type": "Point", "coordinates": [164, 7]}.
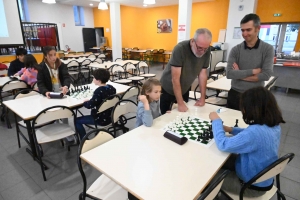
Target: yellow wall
{"type": "Point", "coordinates": [138, 25]}
{"type": "Point", "coordinates": [289, 10]}
{"type": "Point", "coordinates": [38, 57]}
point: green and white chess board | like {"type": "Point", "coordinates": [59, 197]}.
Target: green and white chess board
{"type": "Point", "coordinates": [191, 128]}
{"type": "Point", "coordinates": [86, 94]}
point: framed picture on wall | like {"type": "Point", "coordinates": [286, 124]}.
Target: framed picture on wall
{"type": "Point", "coordinates": [237, 33]}
{"type": "Point", "coordinates": [164, 26]}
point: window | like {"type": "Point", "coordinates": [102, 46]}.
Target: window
{"type": "Point", "coordinates": [23, 10]}
{"type": "Point", "coordinates": [282, 36]}
{"type": "Point", "coordinates": [78, 15]}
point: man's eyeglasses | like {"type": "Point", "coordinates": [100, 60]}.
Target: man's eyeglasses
{"type": "Point", "coordinates": [200, 48]}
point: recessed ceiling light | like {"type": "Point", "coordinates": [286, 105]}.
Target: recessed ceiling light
{"type": "Point", "coordinates": [145, 5]}
{"type": "Point", "coordinates": [91, 4]}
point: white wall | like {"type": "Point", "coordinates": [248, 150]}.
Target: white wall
{"type": "Point", "coordinates": [70, 35]}
{"type": "Point", "coordinates": [234, 18]}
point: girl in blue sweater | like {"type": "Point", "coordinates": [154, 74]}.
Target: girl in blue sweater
{"type": "Point", "coordinates": [253, 148]}
{"type": "Point", "coordinates": [148, 106]}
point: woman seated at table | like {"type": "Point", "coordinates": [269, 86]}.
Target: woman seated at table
{"type": "Point", "coordinates": [253, 148]}
{"type": "Point", "coordinates": [101, 76]}
{"type": "Point", "coordinates": [29, 72]}
{"type": "Point", "coordinates": [53, 75]}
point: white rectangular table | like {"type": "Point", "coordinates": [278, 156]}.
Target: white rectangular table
{"type": "Point", "coordinates": [28, 107]}
{"type": "Point", "coordinates": [225, 83]}
{"type": "Point", "coordinates": [150, 166]}
{"type": "Point", "coordinates": [107, 65]}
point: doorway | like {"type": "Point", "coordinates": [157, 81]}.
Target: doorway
{"type": "Point", "coordinates": [89, 38]}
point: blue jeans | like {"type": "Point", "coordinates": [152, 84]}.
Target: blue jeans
{"type": "Point", "coordinates": [88, 119]}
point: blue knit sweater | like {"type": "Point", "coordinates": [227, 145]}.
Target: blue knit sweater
{"type": "Point", "coordinates": [257, 146]}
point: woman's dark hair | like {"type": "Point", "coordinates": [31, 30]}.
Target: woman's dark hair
{"type": "Point", "coordinates": [30, 61]}
{"type": "Point", "coordinates": [259, 106]}
{"type": "Point", "coordinates": [101, 75]}
{"type": "Point", "coordinates": [46, 50]}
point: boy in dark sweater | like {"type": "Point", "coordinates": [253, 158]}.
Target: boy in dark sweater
{"type": "Point", "coordinates": [17, 64]}
{"type": "Point", "coordinates": [101, 76]}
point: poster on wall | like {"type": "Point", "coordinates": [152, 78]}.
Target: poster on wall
{"type": "Point", "coordinates": [237, 33]}
{"type": "Point", "coordinates": [164, 26]}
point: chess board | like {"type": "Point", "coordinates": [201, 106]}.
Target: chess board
{"type": "Point", "coordinates": [193, 128]}
{"type": "Point", "coordinates": [85, 94]}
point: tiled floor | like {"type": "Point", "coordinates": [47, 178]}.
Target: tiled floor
{"type": "Point", "coordinates": [21, 177]}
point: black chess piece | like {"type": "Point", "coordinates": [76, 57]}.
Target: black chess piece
{"type": "Point", "coordinates": [211, 135]}
{"type": "Point", "coordinates": [72, 91]}
{"type": "Point", "coordinates": [236, 123]}
{"type": "Point", "coordinates": [198, 139]}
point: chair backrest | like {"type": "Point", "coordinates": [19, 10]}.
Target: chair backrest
{"type": "Point", "coordinates": [13, 85]}
{"type": "Point", "coordinates": [219, 64]}
{"type": "Point", "coordinates": [26, 93]}
{"type": "Point", "coordinates": [272, 170]}
{"type": "Point", "coordinates": [53, 113]}
{"type": "Point", "coordinates": [135, 48]}
{"type": "Point", "coordinates": [116, 68]}
{"type": "Point", "coordinates": [101, 55]}
{"type": "Point", "coordinates": [108, 103]}
{"type": "Point", "coordinates": [143, 66]}
{"type": "Point", "coordinates": [154, 51]}
{"type": "Point", "coordinates": [271, 83]}
{"type": "Point", "coordinates": [86, 62]}
{"type": "Point", "coordinates": [131, 92]}
{"type": "Point", "coordinates": [92, 56]}
{"type": "Point", "coordinates": [73, 63]}
{"type": "Point", "coordinates": [118, 59]}
{"type": "Point", "coordinates": [123, 107]}
{"type": "Point", "coordinates": [130, 66]}
{"type": "Point", "coordinates": [213, 189]}
{"type": "Point", "coordinates": [98, 60]}
{"type": "Point", "coordinates": [102, 137]}
{"type": "Point", "coordinates": [161, 51]}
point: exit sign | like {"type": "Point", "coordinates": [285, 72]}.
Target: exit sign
{"type": "Point", "coordinates": [277, 15]}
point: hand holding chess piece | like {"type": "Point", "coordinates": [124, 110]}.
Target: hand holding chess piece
{"type": "Point", "coordinates": [214, 115]}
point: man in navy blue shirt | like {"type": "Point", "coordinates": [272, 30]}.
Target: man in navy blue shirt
{"type": "Point", "coordinates": [17, 64]}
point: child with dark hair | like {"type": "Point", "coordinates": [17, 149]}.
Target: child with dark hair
{"type": "Point", "coordinates": [18, 63]}
{"type": "Point", "coordinates": [29, 72]}
{"type": "Point", "coordinates": [101, 76]}
{"type": "Point", "coordinates": [253, 148]}
{"type": "Point", "coordinates": [148, 106]}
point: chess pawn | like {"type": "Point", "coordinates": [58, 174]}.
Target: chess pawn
{"type": "Point", "coordinates": [236, 123]}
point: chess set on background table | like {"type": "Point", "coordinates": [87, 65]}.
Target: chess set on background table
{"type": "Point", "coordinates": [193, 128]}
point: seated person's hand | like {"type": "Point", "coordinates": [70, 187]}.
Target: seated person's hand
{"type": "Point", "coordinates": [48, 95]}
{"type": "Point", "coordinates": [85, 100]}
{"type": "Point", "coordinates": [143, 99]}
{"type": "Point", "coordinates": [16, 75]}
{"type": "Point", "coordinates": [213, 116]}
{"type": "Point", "coordinates": [64, 90]}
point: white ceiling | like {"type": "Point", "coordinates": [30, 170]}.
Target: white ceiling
{"type": "Point", "coordinates": [133, 3]}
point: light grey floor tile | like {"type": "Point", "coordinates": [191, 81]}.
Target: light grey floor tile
{"type": "Point", "coordinates": [292, 140]}
{"type": "Point", "coordinates": [294, 132]}
{"type": "Point", "coordinates": [1, 198]}
{"type": "Point", "coordinates": [291, 173]}
{"type": "Point", "coordinates": [23, 190]}
{"type": "Point", "coordinates": [40, 196]}
{"type": "Point", "coordinates": [12, 178]}
{"type": "Point", "coordinates": [290, 188]}
{"type": "Point", "coordinates": [8, 165]}
{"type": "Point", "coordinates": [291, 148]}
{"type": "Point", "coordinates": [296, 160]}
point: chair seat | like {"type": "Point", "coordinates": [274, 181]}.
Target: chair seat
{"type": "Point", "coordinates": [21, 123]}
{"type": "Point", "coordinates": [53, 132]}
{"type": "Point", "coordinates": [105, 188]}
{"type": "Point", "coordinates": [123, 81]}
{"type": "Point", "coordinates": [223, 94]}
{"type": "Point", "coordinates": [268, 195]}
{"type": "Point", "coordinates": [216, 101]}
{"type": "Point", "coordinates": [136, 78]}
{"type": "Point", "coordinates": [148, 75]}
{"type": "Point", "coordinates": [73, 73]}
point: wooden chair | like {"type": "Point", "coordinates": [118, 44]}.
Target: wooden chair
{"type": "Point", "coordinates": [103, 187]}
{"type": "Point", "coordinates": [271, 171]}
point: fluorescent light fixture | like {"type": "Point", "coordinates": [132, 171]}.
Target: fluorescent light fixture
{"type": "Point", "coordinates": [91, 4]}
{"type": "Point", "coordinates": [145, 5]}
{"type": "Point", "coordinates": [102, 5]}
{"type": "Point", "coordinates": [49, 1]}
{"type": "Point", "coordinates": [149, 1]}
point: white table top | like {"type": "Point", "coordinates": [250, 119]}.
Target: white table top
{"type": "Point", "coordinates": [109, 64]}
{"type": "Point", "coordinates": [35, 104]}
{"type": "Point", "coordinates": [3, 80]}
{"type": "Point", "coordinates": [225, 84]}
{"type": "Point", "coordinates": [150, 166]}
